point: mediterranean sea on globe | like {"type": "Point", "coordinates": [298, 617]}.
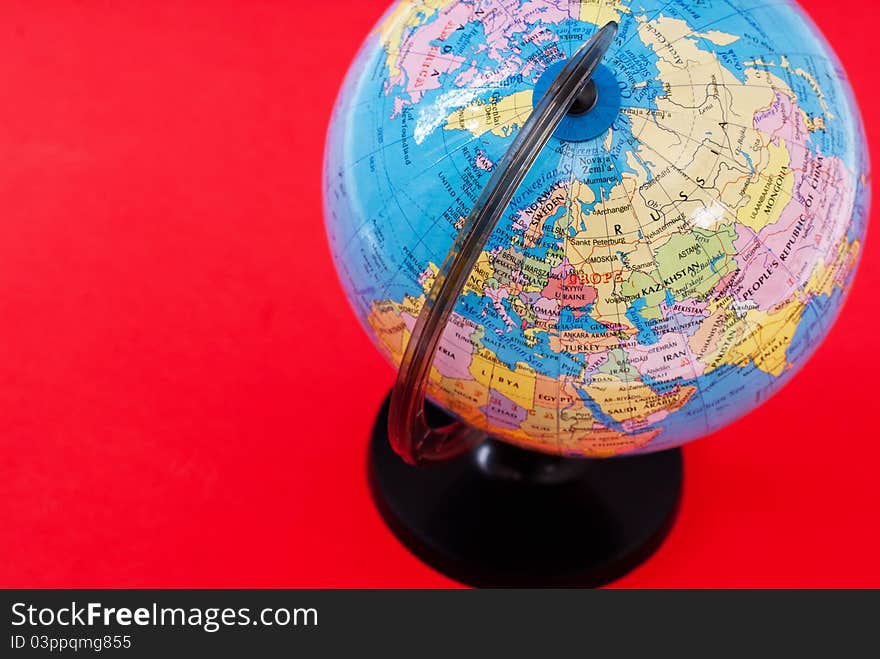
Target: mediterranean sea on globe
{"type": "Point", "coordinates": [670, 260]}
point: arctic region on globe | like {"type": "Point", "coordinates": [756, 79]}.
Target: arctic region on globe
{"type": "Point", "coordinates": [648, 284]}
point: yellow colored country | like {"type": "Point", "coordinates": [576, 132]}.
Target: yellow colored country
{"type": "Point", "coordinates": [600, 12]}
{"type": "Point", "coordinates": [768, 192]}
{"type": "Point", "coordinates": [517, 385]}
{"type": "Point", "coordinates": [766, 340]}
{"type": "Point", "coordinates": [826, 277]}
{"type": "Point", "coordinates": [633, 400]}
{"type": "Point", "coordinates": [499, 114]}
{"type": "Point", "coordinates": [464, 398]}
{"type": "Point", "coordinates": [387, 325]}
{"type": "Point", "coordinates": [427, 278]}
{"type": "Point", "coordinates": [482, 271]}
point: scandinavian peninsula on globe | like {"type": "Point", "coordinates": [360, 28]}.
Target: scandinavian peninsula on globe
{"type": "Point", "coordinates": [647, 285]}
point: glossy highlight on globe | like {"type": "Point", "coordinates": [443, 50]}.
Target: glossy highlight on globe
{"type": "Point", "coordinates": [672, 257]}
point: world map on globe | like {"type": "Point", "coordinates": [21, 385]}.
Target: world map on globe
{"type": "Point", "coordinates": [671, 258]}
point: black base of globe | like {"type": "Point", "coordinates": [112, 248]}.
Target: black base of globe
{"type": "Point", "coordinates": [503, 517]}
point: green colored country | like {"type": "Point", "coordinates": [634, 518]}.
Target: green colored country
{"type": "Point", "coordinates": [619, 366]}
{"type": "Point", "coordinates": [690, 265]}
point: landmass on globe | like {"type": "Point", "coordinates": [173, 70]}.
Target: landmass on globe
{"type": "Point", "coordinates": [645, 287]}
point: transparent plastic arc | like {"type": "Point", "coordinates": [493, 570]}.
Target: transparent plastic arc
{"type": "Point", "coordinates": [409, 431]}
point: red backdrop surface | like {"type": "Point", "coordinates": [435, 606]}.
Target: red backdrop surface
{"type": "Point", "coordinates": [185, 396]}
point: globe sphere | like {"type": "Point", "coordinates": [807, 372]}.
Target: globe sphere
{"type": "Point", "coordinates": [676, 253]}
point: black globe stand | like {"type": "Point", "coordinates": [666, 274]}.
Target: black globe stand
{"type": "Point", "coordinates": [500, 516]}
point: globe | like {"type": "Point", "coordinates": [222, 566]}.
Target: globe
{"type": "Point", "coordinates": [678, 249]}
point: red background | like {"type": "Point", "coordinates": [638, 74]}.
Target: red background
{"type": "Point", "coordinates": [185, 396]}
